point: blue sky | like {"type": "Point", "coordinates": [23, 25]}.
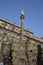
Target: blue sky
{"type": "Point", "coordinates": [33, 9]}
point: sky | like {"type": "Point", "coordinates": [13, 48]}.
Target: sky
{"type": "Point", "coordinates": [33, 11]}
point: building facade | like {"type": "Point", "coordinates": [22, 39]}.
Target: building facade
{"type": "Point", "coordinates": [19, 46]}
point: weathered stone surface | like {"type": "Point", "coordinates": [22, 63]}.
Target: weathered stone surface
{"type": "Point", "coordinates": [16, 52]}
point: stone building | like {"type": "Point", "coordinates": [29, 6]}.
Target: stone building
{"type": "Point", "coordinates": [19, 46]}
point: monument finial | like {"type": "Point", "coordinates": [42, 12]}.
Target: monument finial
{"type": "Point", "coordinates": [22, 15]}
{"type": "Point", "coordinates": [22, 12]}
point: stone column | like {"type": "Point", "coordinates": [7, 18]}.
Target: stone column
{"type": "Point", "coordinates": [22, 24]}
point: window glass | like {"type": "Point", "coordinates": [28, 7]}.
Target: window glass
{"type": "Point", "coordinates": [12, 39]}
{"type": "Point", "coordinates": [13, 28]}
{"type": "Point", "coordinates": [4, 36]}
{"type": "Point", "coordinates": [6, 26]}
{"type": "Point", "coordinates": [1, 63]}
